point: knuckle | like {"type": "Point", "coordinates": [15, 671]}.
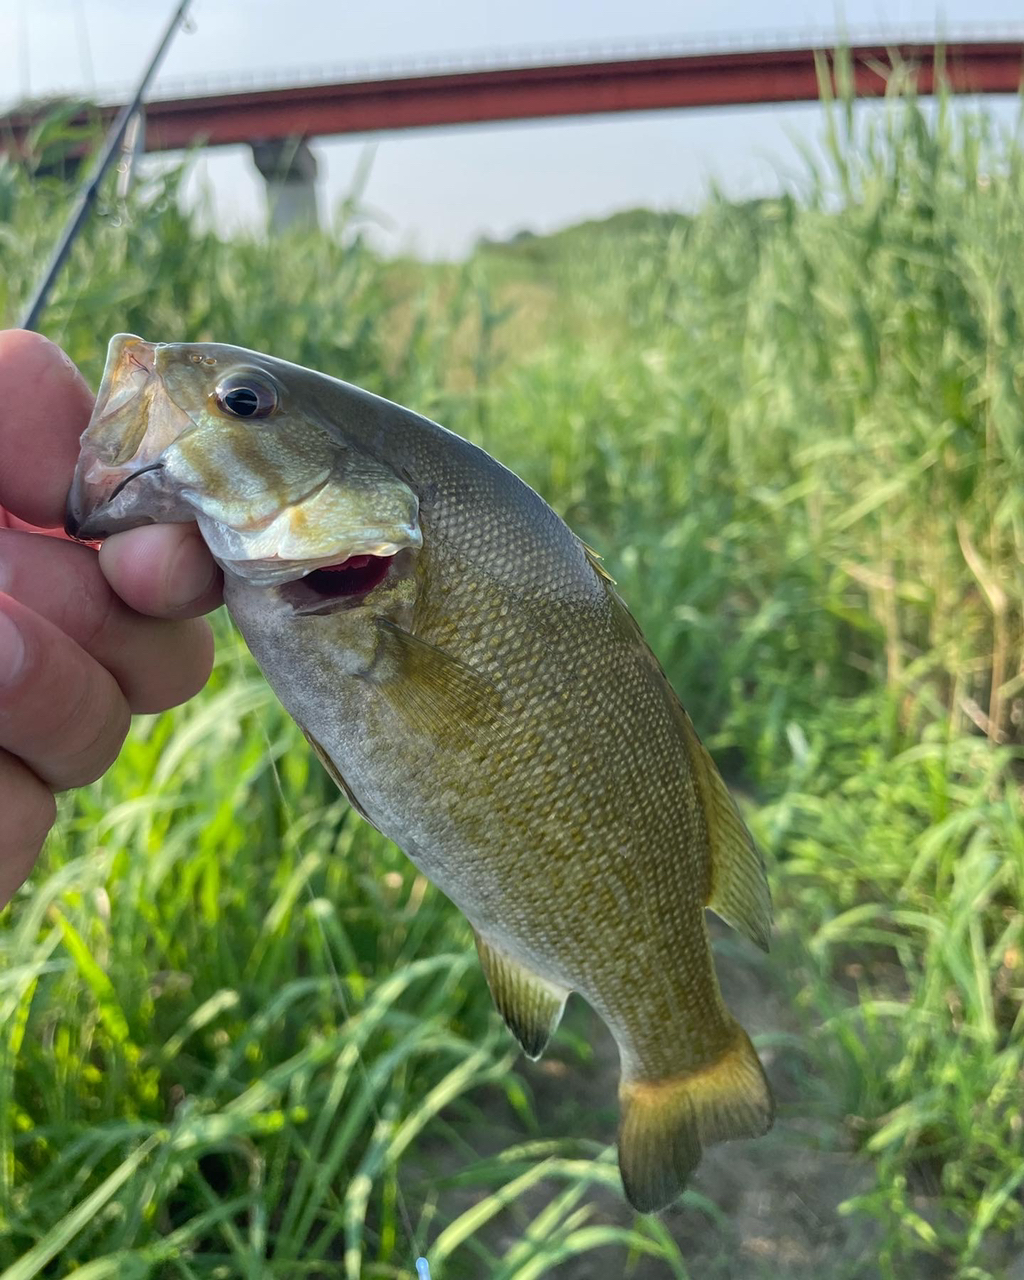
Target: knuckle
{"type": "Point", "coordinates": [97, 609]}
{"type": "Point", "coordinates": [39, 820]}
{"type": "Point", "coordinates": [175, 670]}
{"type": "Point", "coordinates": [28, 807]}
{"type": "Point", "coordinates": [30, 342]}
{"type": "Point", "coordinates": [78, 736]}
{"type": "Point", "coordinates": [100, 727]}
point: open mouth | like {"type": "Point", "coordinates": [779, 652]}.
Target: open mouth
{"type": "Point", "coordinates": [338, 586]}
{"type": "Point", "coordinates": [352, 577]}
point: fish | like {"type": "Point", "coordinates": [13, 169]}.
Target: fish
{"type": "Point", "coordinates": [463, 666]}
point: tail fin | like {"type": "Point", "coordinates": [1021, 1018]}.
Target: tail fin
{"type": "Point", "coordinates": [667, 1123]}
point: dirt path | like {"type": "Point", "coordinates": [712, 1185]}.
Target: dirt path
{"type": "Point", "coordinates": [777, 1198]}
{"type": "Point", "coordinates": [767, 1209]}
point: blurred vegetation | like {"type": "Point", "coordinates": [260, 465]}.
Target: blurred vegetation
{"type": "Point", "coordinates": [241, 1037]}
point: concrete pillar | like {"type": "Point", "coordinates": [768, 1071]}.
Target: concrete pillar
{"type": "Point", "coordinates": [289, 170]}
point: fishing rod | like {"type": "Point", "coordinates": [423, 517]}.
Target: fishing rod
{"type": "Point", "coordinates": [75, 222]}
{"type": "Point", "coordinates": [90, 188]}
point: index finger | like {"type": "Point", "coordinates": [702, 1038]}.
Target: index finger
{"type": "Point", "coordinates": [44, 407]}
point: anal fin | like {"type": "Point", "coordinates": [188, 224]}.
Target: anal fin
{"type": "Point", "coordinates": [531, 1006]}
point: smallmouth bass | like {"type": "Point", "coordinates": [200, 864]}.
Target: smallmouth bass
{"type": "Point", "coordinates": [467, 673]}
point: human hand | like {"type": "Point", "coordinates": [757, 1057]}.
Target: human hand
{"type": "Point", "coordinates": [81, 648]}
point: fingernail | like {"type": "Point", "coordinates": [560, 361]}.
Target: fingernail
{"type": "Point", "coordinates": [12, 651]}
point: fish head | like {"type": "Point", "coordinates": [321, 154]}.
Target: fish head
{"type": "Point", "coordinates": [248, 446]}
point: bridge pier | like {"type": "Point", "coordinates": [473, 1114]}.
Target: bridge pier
{"type": "Point", "coordinates": [289, 169]}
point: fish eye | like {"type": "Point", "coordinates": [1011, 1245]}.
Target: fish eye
{"type": "Point", "coordinates": [246, 394]}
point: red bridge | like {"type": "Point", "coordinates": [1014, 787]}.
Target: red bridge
{"type": "Point", "coordinates": [730, 78]}
{"type": "Point", "coordinates": [278, 123]}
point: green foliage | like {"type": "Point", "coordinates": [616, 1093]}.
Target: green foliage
{"type": "Point", "coordinates": [242, 1037]}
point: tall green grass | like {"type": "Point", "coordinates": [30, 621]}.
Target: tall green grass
{"type": "Point", "coordinates": [242, 1037]}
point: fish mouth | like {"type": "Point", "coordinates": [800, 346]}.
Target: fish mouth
{"type": "Point", "coordinates": [91, 520]}
{"type": "Point", "coordinates": [119, 481]}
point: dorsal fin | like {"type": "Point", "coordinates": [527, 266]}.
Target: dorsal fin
{"type": "Point", "coordinates": [739, 884]}
{"type": "Point", "coordinates": [596, 562]}
{"type": "Point", "coordinates": [531, 1006]}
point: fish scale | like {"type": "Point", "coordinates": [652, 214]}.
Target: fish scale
{"type": "Point", "coordinates": [488, 703]}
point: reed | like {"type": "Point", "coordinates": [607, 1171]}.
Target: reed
{"type": "Point", "coordinates": [239, 1036]}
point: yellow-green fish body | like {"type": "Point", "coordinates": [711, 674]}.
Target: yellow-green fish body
{"type": "Point", "coordinates": [472, 680]}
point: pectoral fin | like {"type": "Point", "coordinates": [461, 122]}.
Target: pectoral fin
{"type": "Point", "coordinates": [531, 1006]}
{"type": "Point", "coordinates": [435, 693]}
{"type": "Point", "coordinates": [739, 884]}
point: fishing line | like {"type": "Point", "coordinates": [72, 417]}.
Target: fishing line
{"type": "Point", "coordinates": [24, 53]}
{"type": "Point", "coordinates": [90, 188]}
{"type": "Point", "coordinates": [422, 1265]}
{"type": "Point", "coordinates": [85, 47]}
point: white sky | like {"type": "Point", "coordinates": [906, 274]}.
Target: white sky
{"type": "Point", "coordinates": [437, 190]}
